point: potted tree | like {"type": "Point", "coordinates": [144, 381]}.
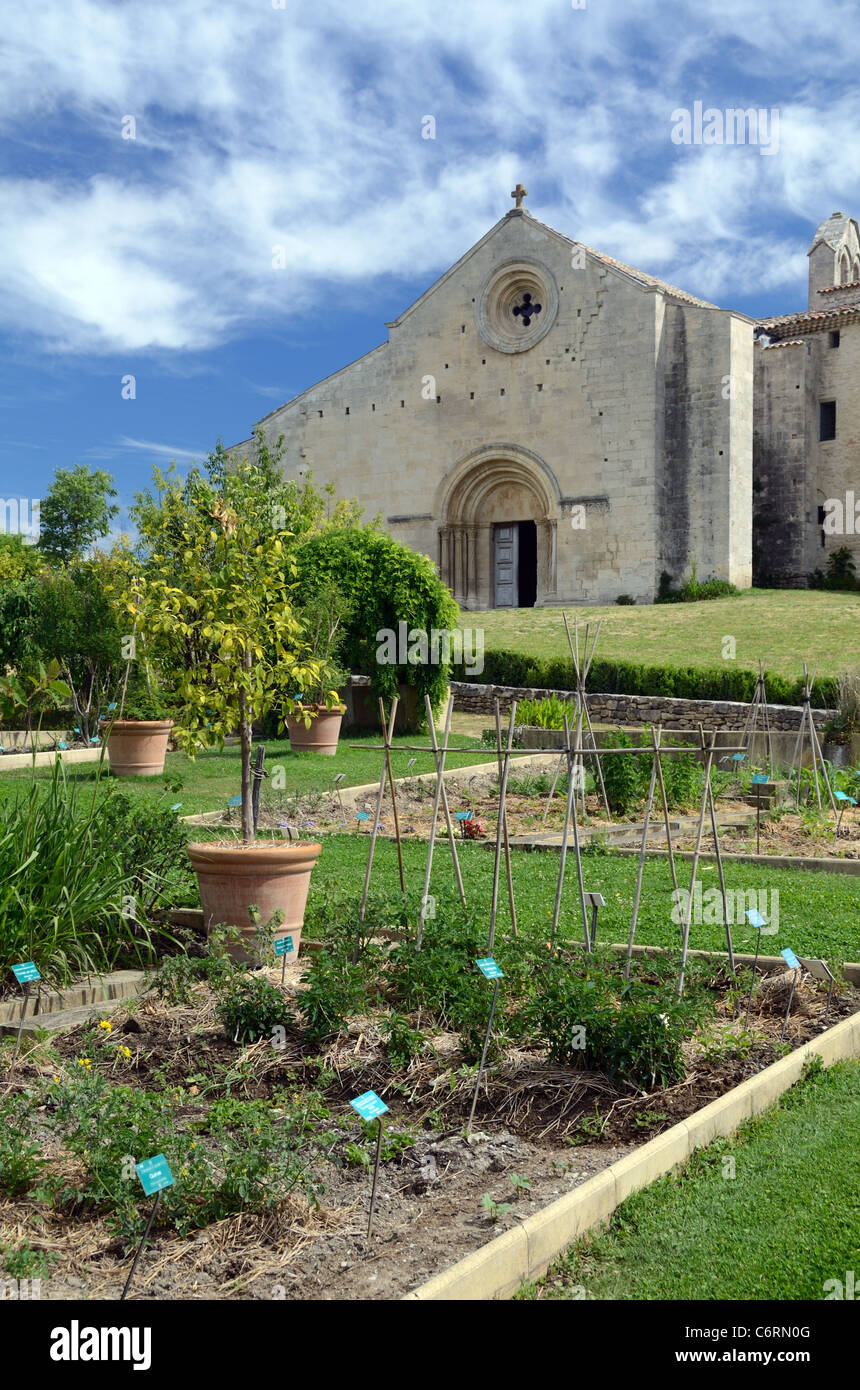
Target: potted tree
{"type": "Point", "coordinates": [313, 717]}
{"type": "Point", "coordinates": [137, 738]}
{"type": "Point", "coordinates": [220, 611]}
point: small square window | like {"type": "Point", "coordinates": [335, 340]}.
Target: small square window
{"type": "Point", "coordinates": [827, 420]}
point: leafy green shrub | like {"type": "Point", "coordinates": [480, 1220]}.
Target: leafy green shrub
{"type": "Point", "coordinates": [547, 713]}
{"type": "Point", "coordinates": [21, 1163]}
{"type": "Point", "coordinates": [402, 1041]}
{"type": "Point", "coordinates": [151, 840]}
{"type": "Point", "coordinates": [623, 777]}
{"type": "Point", "coordinates": [335, 989]}
{"type": "Point", "coordinates": [692, 591]}
{"type": "Point", "coordinates": [841, 572]}
{"type": "Point", "coordinates": [254, 1164]}
{"type": "Point", "coordinates": [606, 677]}
{"type": "Point", "coordinates": [249, 1007]}
{"type": "Point", "coordinates": [388, 584]}
{"type": "Point", "coordinates": [683, 777]}
{"type": "Point", "coordinates": [846, 721]}
{"type": "Point", "coordinates": [631, 1030]}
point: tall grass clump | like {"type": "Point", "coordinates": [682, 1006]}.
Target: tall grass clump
{"type": "Point", "coordinates": [70, 898]}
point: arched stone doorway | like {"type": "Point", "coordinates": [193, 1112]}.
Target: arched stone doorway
{"type": "Point", "coordinates": [497, 510]}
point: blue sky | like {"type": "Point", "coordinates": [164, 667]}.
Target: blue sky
{"type": "Point", "coordinates": [301, 127]}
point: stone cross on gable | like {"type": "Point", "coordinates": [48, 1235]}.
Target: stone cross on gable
{"type": "Point", "coordinates": [519, 193]}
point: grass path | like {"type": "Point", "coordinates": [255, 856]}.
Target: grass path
{"type": "Point", "coordinates": [212, 778]}
{"type": "Point", "coordinates": [818, 913]}
{"type": "Point", "coordinates": [782, 1227]}
{"type": "Point", "coordinates": [783, 627]}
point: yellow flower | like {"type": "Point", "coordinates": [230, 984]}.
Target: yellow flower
{"type": "Point", "coordinates": [57, 1080]}
{"type": "Point", "coordinates": [104, 1024]}
{"type": "Point", "coordinates": [126, 1051]}
{"type": "Point", "coordinates": [85, 1062]}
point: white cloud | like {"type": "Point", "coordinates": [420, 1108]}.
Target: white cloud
{"type": "Point", "coordinates": [168, 451]}
{"type": "Point", "coordinates": [301, 128]}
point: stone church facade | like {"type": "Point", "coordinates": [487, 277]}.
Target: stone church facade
{"type": "Point", "coordinates": [553, 427]}
{"type": "Point", "coordinates": [806, 444]}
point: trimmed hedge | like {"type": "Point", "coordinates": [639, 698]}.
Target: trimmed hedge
{"type": "Point", "coordinates": [632, 678]}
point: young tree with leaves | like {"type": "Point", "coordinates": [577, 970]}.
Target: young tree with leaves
{"type": "Point", "coordinates": [76, 512]}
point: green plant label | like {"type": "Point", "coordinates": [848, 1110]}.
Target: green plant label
{"type": "Point", "coordinates": [369, 1106]}
{"type": "Point", "coordinates": [488, 967]}
{"type": "Point", "coordinates": [154, 1174]}
{"type": "Point", "coordinates": [25, 972]}
{"type": "Point", "coordinates": [283, 946]}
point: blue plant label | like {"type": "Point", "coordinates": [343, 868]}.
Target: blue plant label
{"type": "Point", "coordinates": [843, 796]}
{"type": "Point", "coordinates": [283, 946]}
{"type": "Point", "coordinates": [488, 967]}
{"type": "Point", "coordinates": [112, 706]}
{"type": "Point", "coordinates": [369, 1106]}
{"type": "Point", "coordinates": [738, 757]}
{"type": "Point", "coordinates": [25, 972]}
{"type": "Point", "coordinates": [755, 918]}
{"type": "Point", "coordinates": [235, 800]}
{"type": "Point", "coordinates": [463, 815]}
{"type": "Point", "coordinates": [61, 744]}
{"type": "Point", "coordinates": [362, 815]}
{"type": "Point", "coordinates": [790, 958]}
{"type": "Point", "coordinates": [177, 807]}
{"type": "Point", "coordinates": [760, 778]}
{"type": "Point", "coordinates": [154, 1174]}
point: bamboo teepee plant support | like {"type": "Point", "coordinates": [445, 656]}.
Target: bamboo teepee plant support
{"type": "Point", "coordinates": [807, 726]}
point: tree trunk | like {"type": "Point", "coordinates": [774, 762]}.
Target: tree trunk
{"type": "Point", "coordinates": [245, 736]}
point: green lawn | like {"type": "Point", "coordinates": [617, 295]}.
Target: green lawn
{"type": "Point", "coordinates": [818, 913]}
{"type": "Point", "coordinates": [782, 627]}
{"type": "Point", "coordinates": [212, 778]}
{"type": "Point", "coordinates": [785, 1225]}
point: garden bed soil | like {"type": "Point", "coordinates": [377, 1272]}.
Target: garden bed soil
{"type": "Point", "coordinates": [534, 1119]}
{"type": "Point", "coordinates": [792, 834]}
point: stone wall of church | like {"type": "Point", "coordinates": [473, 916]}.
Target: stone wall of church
{"type": "Point", "coordinates": [579, 422]}
{"type": "Point", "coordinates": [835, 464]}
{"type": "Point", "coordinates": [795, 471]}
{"type": "Point", "coordinates": [785, 397]}
{"type": "Point", "coordinates": [705, 463]}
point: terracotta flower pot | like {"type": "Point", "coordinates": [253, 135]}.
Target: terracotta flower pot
{"type": "Point", "coordinates": [234, 877]}
{"type": "Point", "coordinates": [323, 734]}
{"type": "Point", "coordinates": [137, 747]}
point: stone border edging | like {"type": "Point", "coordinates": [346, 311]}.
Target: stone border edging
{"type": "Point", "coordinates": [10, 761]}
{"type": "Point", "coordinates": [498, 1269]}
{"type": "Point", "coordinates": [93, 990]}
{"type": "Point", "coordinates": [530, 761]}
